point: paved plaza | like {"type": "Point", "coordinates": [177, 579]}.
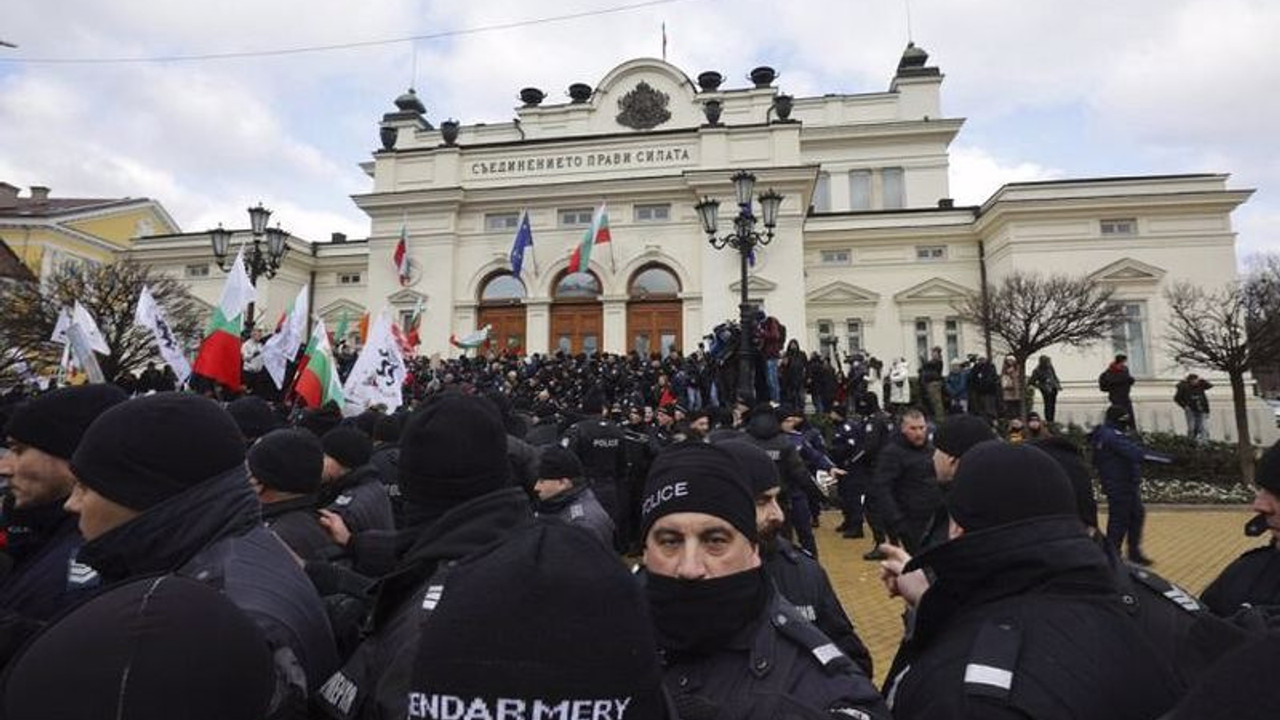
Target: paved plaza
{"type": "Point", "coordinates": [1190, 545]}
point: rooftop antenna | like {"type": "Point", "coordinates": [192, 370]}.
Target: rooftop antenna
{"type": "Point", "coordinates": [910, 36]}
{"type": "Point", "coordinates": [664, 41]}
{"type": "Point", "coordinates": [413, 77]}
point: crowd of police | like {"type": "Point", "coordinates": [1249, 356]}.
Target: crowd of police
{"type": "Point", "coordinates": [168, 555]}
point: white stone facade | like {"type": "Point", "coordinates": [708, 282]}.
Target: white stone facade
{"type": "Point", "coordinates": [868, 248]}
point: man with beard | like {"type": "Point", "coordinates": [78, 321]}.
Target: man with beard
{"type": "Point", "coordinates": [765, 432]}
{"type": "Point", "coordinates": [795, 573]}
{"type": "Point", "coordinates": [162, 488]}
{"type": "Point", "coordinates": [732, 646]}
{"type": "Point", "coordinates": [1253, 579]}
{"type": "Point", "coordinates": [43, 540]}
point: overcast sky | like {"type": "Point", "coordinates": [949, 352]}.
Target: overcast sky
{"type": "Point", "coordinates": [1077, 88]}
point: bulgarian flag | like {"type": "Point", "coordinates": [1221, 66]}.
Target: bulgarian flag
{"type": "Point", "coordinates": [318, 382]}
{"type": "Point", "coordinates": [473, 340]}
{"type": "Point", "coordinates": [219, 357]}
{"type": "Point", "coordinates": [401, 256]}
{"type": "Point", "coordinates": [597, 234]}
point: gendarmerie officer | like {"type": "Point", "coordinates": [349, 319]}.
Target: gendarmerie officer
{"type": "Point", "coordinates": [284, 470]}
{"type": "Point", "coordinates": [795, 573]}
{"type": "Point", "coordinates": [1253, 579]}
{"type": "Point", "coordinates": [732, 646]}
{"type": "Point", "coordinates": [599, 444]}
{"type": "Point", "coordinates": [350, 486]}
{"type": "Point", "coordinates": [560, 491]}
{"type": "Point", "coordinates": [1023, 618]}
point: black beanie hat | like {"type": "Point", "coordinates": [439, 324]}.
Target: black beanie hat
{"type": "Point", "coordinates": [387, 429]}
{"type": "Point", "coordinates": [1267, 474]}
{"type": "Point", "coordinates": [55, 422]}
{"type": "Point", "coordinates": [701, 478]}
{"type": "Point", "coordinates": [1068, 457]}
{"type": "Point", "coordinates": [958, 433]}
{"type": "Point", "coordinates": [510, 629]}
{"type": "Point", "coordinates": [348, 446]}
{"type": "Point", "coordinates": [254, 416]}
{"type": "Point", "coordinates": [998, 484]}
{"type": "Point", "coordinates": [1119, 416]}
{"type": "Point", "coordinates": [159, 647]}
{"type": "Point", "coordinates": [452, 450]}
{"type": "Point", "coordinates": [146, 450]}
{"type": "Point", "coordinates": [557, 463]}
{"type": "Point", "coordinates": [289, 460]}
{"type": "Point", "coordinates": [761, 471]}
{"type": "Point", "coordinates": [320, 420]}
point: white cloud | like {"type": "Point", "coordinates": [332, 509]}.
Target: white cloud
{"type": "Point", "coordinates": [976, 174]}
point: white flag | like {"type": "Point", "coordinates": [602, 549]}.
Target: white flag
{"type": "Point", "coordinates": [238, 292]}
{"type": "Point", "coordinates": [151, 316]}
{"type": "Point", "coordinates": [60, 328]}
{"type": "Point", "coordinates": [377, 378]}
{"type": "Point", "coordinates": [283, 346]}
{"type": "Point", "coordinates": [81, 317]}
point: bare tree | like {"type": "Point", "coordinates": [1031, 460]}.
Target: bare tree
{"type": "Point", "coordinates": [110, 294]}
{"type": "Point", "coordinates": [1232, 330]}
{"type": "Point", "coordinates": [1028, 313]}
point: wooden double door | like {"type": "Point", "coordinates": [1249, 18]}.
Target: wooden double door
{"type": "Point", "coordinates": [577, 327]}
{"type": "Point", "coordinates": [654, 326]}
{"type": "Point", "coordinates": [508, 333]}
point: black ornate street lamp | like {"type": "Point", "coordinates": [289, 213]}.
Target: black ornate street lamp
{"type": "Point", "coordinates": [744, 239]}
{"type": "Point", "coordinates": [257, 262]}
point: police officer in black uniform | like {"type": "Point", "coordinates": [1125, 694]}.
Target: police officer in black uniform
{"type": "Point", "coordinates": [1023, 618]}
{"type": "Point", "coordinates": [1254, 578]}
{"type": "Point", "coordinates": [732, 646]}
{"type": "Point", "coordinates": [764, 431]}
{"type": "Point", "coordinates": [600, 444]}
{"type": "Point", "coordinates": [795, 573]}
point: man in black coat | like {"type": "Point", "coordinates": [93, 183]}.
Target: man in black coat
{"type": "Point", "coordinates": [43, 539]}
{"type": "Point", "coordinates": [284, 469]}
{"type": "Point", "coordinates": [386, 458]}
{"type": "Point", "coordinates": [459, 500]}
{"type": "Point", "coordinates": [732, 646]}
{"type": "Point", "coordinates": [1117, 382]}
{"type": "Point", "coordinates": [561, 491]}
{"type": "Point", "coordinates": [795, 573]}
{"type": "Point", "coordinates": [351, 487]}
{"type": "Point", "coordinates": [162, 488]}
{"type": "Point", "coordinates": [1023, 618]}
{"type": "Point", "coordinates": [906, 492]}
{"type": "Point", "coordinates": [600, 444]}
{"type": "Point", "coordinates": [765, 432]}
{"type": "Point", "coordinates": [1253, 579]}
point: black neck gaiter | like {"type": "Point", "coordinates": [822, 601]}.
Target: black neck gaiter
{"type": "Point", "coordinates": [700, 616]}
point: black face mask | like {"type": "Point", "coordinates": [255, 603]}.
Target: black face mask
{"type": "Point", "coordinates": [702, 615]}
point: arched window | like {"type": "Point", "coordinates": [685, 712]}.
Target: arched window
{"type": "Point", "coordinates": [502, 288]}
{"type": "Point", "coordinates": [577, 286]}
{"type": "Point", "coordinates": [654, 281]}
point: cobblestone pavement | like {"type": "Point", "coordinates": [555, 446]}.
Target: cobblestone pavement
{"type": "Point", "coordinates": [1190, 547]}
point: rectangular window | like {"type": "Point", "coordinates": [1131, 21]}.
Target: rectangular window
{"type": "Point", "coordinates": [824, 337]}
{"type": "Point", "coordinates": [835, 257]}
{"type": "Point", "coordinates": [822, 193]}
{"type": "Point", "coordinates": [924, 329]}
{"type": "Point", "coordinates": [853, 335]}
{"type": "Point", "coordinates": [895, 193]}
{"type": "Point", "coordinates": [953, 339]}
{"type": "Point", "coordinates": [653, 213]}
{"type": "Point", "coordinates": [1122, 226]}
{"type": "Point", "coordinates": [406, 320]}
{"type": "Point", "coordinates": [576, 217]}
{"type": "Point", "coordinates": [931, 252]}
{"type": "Point", "coordinates": [498, 222]}
{"type": "Point", "coordinates": [349, 278]}
{"type": "Point", "coordinates": [196, 271]}
{"type": "Point", "coordinates": [859, 189]}
{"type": "Point", "coordinates": [1129, 337]}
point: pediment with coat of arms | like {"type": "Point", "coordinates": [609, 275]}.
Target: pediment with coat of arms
{"type": "Point", "coordinates": [644, 108]}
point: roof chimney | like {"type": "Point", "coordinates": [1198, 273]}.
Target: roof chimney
{"type": "Point", "coordinates": [8, 194]}
{"type": "Point", "coordinates": [338, 237]}
{"type": "Point", "coordinates": [39, 193]}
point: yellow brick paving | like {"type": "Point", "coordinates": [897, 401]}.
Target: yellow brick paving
{"type": "Point", "coordinates": [1190, 545]}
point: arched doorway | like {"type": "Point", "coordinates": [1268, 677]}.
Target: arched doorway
{"type": "Point", "coordinates": [501, 306]}
{"type": "Point", "coordinates": [577, 317]}
{"type": "Point", "coordinates": [654, 311]}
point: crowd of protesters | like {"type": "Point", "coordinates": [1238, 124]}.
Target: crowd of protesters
{"type": "Point", "coordinates": [173, 555]}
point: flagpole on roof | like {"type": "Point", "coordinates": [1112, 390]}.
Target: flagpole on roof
{"type": "Point", "coordinates": [533, 254]}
